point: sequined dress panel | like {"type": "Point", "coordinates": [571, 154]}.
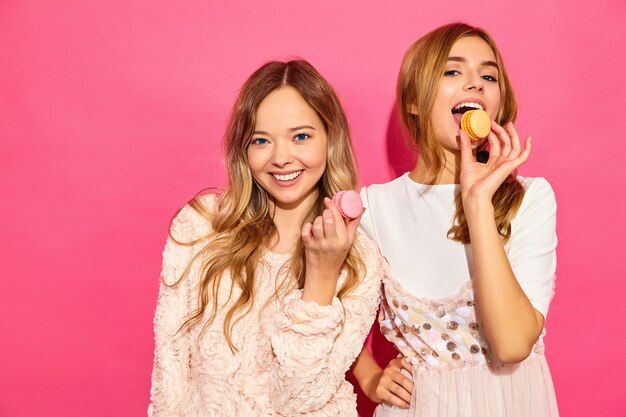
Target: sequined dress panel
{"type": "Point", "coordinates": [428, 309]}
{"type": "Point", "coordinates": [454, 372]}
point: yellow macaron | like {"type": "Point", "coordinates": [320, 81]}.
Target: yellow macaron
{"type": "Point", "coordinates": [476, 123]}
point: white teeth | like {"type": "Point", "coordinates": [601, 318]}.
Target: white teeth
{"type": "Point", "coordinates": [468, 104]}
{"type": "Point", "coordinates": [288, 177]}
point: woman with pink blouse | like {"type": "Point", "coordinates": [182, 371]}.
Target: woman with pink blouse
{"type": "Point", "coordinates": [267, 293]}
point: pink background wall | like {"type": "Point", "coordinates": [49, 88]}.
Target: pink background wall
{"type": "Point", "coordinates": [111, 116]}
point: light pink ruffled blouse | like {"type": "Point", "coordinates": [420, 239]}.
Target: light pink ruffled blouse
{"type": "Point", "coordinates": [292, 355]}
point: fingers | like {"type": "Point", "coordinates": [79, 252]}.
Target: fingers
{"type": "Point", "coordinates": [466, 149]}
{"type": "Point", "coordinates": [515, 142]}
{"type": "Point", "coordinates": [395, 388]}
{"type": "Point", "coordinates": [515, 157]}
{"type": "Point", "coordinates": [527, 148]}
{"type": "Point", "coordinates": [401, 367]}
{"type": "Point", "coordinates": [523, 157]}
{"type": "Point", "coordinates": [392, 399]}
{"type": "Point", "coordinates": [329, 231]}
{"type": "Point", "coordinates": [503, 136]}
{"type": "Point", "coordinates": [340, 230]}
{"type": "Point", "coordinates": [400, 390]}
{"type": "Point", "coordinates": [508, 137]}
{"type": "Point", "coordinates": [402, 387]}
{"type": "Point", "coordinates": [406, 365]}
{"type": "Point", "coordinates": [318, 228]}
{"type": "Point", "coordinates": [330, 223]}
{"type": "Point", "coordinates": [352, 226]}
{"type": "Point", "coordinates": [325, 226]}
{"type": "Point", "coordinates": [495, 150]}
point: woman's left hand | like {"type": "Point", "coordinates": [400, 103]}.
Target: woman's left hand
{"type": "Point", "coordinates": [479, 181]}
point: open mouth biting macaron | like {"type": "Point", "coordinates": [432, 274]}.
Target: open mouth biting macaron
{"type": "Point", "coordinates": [476, 123]}
{"type": "Point", "coordinates": [349, 204]}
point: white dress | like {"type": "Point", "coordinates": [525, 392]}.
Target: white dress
{"type": "Point", "coordinates": [428, 307]}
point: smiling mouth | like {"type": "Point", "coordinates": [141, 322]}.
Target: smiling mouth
{"type": "Point", "coordinates": [464, 107]}
{"type": "Point", "coordinates": [288, 177]}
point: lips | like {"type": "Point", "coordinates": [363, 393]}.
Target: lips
{"type": "Point", "coordinates": [287, 177]}
{"type": "Point", "coordinates": [465, 106]}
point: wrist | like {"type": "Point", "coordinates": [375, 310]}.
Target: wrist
{"type": "Point", "coordinates": [369, 384]}
{"type": "Point", "coordinates": [477, 207]}
{"type": "Point", "coordinates": [320, 286]}
{"type": "Point", "coordinates": [321, 273]}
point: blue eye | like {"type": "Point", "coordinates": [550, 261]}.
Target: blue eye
{"type": "Point", "coordinates": [490, 78]}
{"type": "Point", "coordinates": [259, 141]}
{"type": "Point", "coordinates": [301, 136]}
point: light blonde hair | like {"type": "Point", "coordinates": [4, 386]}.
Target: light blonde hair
{"type": "Point", "coordinates": [422, 68]}
{"type": "Point", "coordinates": [243, 227]}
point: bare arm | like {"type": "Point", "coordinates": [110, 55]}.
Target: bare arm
{"type": "Point", "coordinates": [383, 385]}
{"type": "Point", "coordinates": [510, 322]}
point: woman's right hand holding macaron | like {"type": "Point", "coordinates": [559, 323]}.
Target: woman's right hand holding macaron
{"type": "Point", "coordinates": [326, 243]}
{"type": "Point", "coordinates": [479, 181]}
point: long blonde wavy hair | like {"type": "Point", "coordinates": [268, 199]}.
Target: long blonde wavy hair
{"type": "Point", "coordinates": [243, 227]}
{"type": "Point", "coordinates": [418, 82]}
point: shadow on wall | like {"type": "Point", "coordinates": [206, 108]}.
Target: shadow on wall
{"type": "Point", "coordinates": [400, 155]}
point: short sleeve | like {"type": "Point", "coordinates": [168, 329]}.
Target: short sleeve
{"type": "Point", "coordinates": [367, 223]}
{"type": "Point", "coordinates": [532, 246]}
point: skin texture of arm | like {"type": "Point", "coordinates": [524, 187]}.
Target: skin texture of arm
{"type": "Point", "coordinates": [383, 385]}
{"type": "Point", "coordinates": [510, 322]}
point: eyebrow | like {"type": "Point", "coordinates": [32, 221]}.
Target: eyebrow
{"type": "Point", "coordinates": [291, 129]}
{"type": "Point", "coordinates": [484, 63]}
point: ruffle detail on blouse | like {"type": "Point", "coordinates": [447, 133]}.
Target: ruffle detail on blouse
{"type": "Point", "coordinates": [292, 354]}
{"type": "Point", "coordinates": [343, 404]}
{"type": "Point", "coordinates": [189, 224]}
{"type": "Point", "coordinates": [308, 317]}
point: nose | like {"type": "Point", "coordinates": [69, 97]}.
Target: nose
{"type": "Point", "coordinates": [283, 154]}
{"type": "Point", "coordinates": [474, 82]}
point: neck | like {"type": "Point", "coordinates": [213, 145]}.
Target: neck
{"type": "Point", "coordinates": [288, 221]}
{"type": "Point", "coordinates": [450, 174]}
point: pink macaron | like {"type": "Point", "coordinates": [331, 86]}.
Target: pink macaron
{"type": "Point", "coordinates": [349, 204]}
